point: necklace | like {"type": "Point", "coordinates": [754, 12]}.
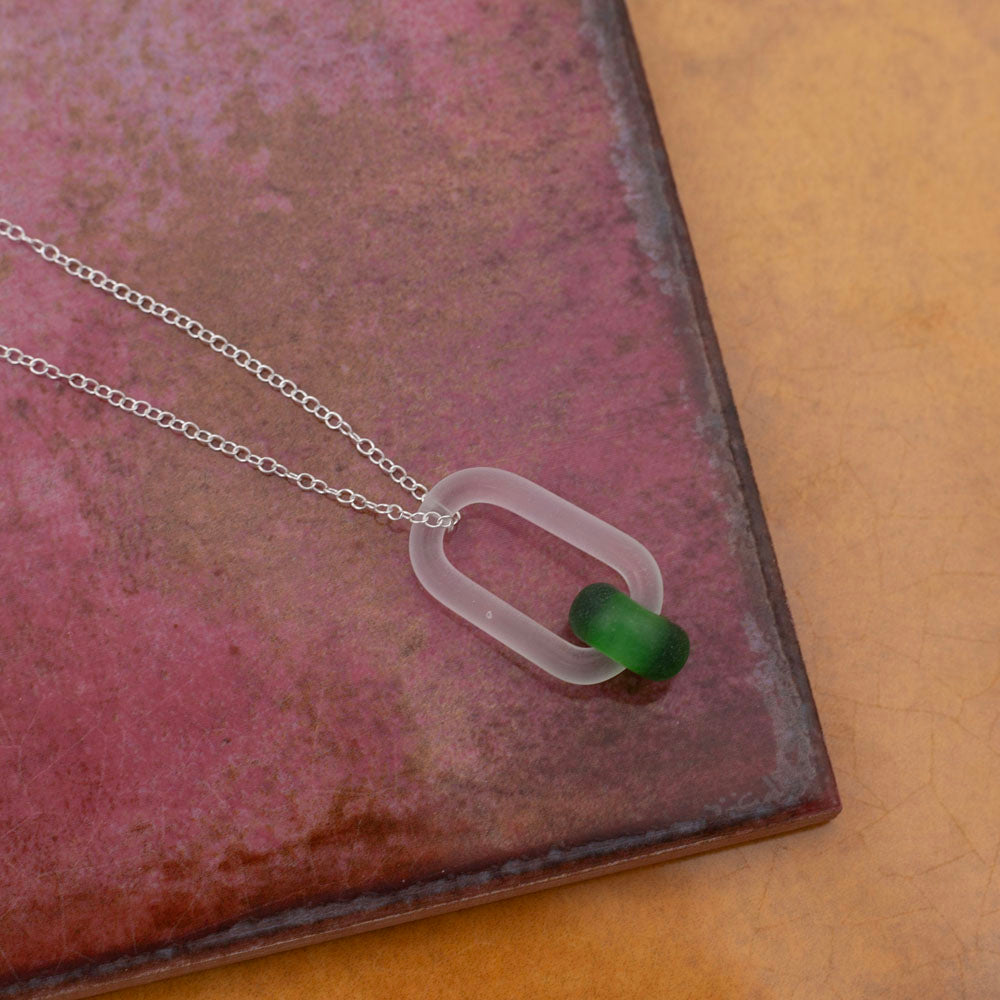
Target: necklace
{"type": "Point", "coordinates": [621, 631]}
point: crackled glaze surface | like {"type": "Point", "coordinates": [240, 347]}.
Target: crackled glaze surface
{"type": "Point", "coordinates": [223, 700]}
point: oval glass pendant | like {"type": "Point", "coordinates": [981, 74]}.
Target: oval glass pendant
{"type": "Point", "coordinates": [518, 631]}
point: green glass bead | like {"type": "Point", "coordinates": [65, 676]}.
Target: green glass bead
{"type": "Point", "coordinates": [647, 644]}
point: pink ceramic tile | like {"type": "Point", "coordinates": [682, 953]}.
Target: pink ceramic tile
{"type": "Point", "coordinates": [230, 717]}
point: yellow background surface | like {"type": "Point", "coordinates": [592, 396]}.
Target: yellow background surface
{"type": "Point", "coordinates": [838, 163]}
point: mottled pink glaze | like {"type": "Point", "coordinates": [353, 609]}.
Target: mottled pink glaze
{"type": "Point", "coordinates": [222, 698]}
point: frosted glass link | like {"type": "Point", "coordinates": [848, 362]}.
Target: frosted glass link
{"type": "Point", "coordinates": [496, 617]}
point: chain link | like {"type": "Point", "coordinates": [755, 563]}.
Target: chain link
{"type": "Point", "coordinates": [244, 359]}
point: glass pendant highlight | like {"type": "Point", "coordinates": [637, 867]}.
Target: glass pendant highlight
{"type": "Point", "coordinates": [621, 631]}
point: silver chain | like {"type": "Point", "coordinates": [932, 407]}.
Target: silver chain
{"type": "Point", "coordinates": [265, 373]}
